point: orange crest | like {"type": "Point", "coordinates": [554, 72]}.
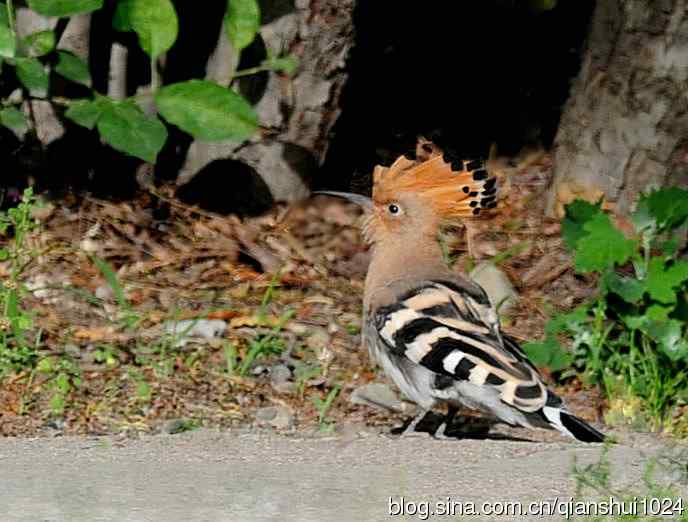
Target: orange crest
{"type": "Point", "coordinates": [451, 186]}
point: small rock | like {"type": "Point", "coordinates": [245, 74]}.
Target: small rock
{"type": "Point", "coordinates": [89, 246]}
{"type": "Point", "coordinates": [58, 424]}
{"type": "Point", "coordinates": [200, 328]}
{"type": "Point", "coordinates": [279, 417]}
{"type": "Point", "coordinates": [105, 293]}
{"type": "Point", "coordinates": [280, 378]}
{"type": "Point", "coordinates": [377, 395]}
{"type": "Point", "coordinates": [497, 285]}
{"type": "Point", "coordinates": [259, 369]}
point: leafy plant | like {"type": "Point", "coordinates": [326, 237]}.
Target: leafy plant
{"type": "Point", "coordinates": [231, 357]}
{"type": "Point", "coordinates": [303, 373]}
{"type": "Point", "coordinates": [323, 406]}
{"type": "Point", "coordinates": [128, 318]}
{"type": "Point", "coordinates": [206, 110]}
{"type": "Point", "coordinates": [65, 376]}
{"type": "Point", "coordinates": [263, 345]}
{"type": "Point", "coordinates": [143, 389]}
{"type": "Point", "coordinates": [17, 347]}
{"type": "Point", "coordinates": [632, 338]}
{"type": "Point", "coordinates": [106, 354]}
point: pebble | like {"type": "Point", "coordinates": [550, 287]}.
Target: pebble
{"type": "Point", "coordinates": [199, 328]}
{"type": "Point", "coordinates": [279, 417]}
{"type": "Point", "coordinates": [280, 379]}
{"type": "Point", "coordinates": [497, 285]}
{"type": "Point", "coordinates": [377, 395]}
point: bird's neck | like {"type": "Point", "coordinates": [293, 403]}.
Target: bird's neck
{"type": "Point", "coordinates": [407, 257]}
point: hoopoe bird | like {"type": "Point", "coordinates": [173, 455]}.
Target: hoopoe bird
{"type": "Point", "coordinates": [434, 332]}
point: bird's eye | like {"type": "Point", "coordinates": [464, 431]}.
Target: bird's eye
{"type": "Point", "coordinates": [393, 209]}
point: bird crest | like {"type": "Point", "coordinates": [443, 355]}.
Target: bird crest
{"type": "Point", "coordinates": [452, 187]}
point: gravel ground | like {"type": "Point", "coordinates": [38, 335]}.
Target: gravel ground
{"type": "Point", "coordinates": [219, 476]}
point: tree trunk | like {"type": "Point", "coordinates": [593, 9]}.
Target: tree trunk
{"type": "Point", "coordinates": [296, 113]}
{"type": "Point", "coordinates": [625, 126]}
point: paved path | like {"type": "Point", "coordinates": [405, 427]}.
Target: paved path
{"type": "Point", "coordinates": [228, 477]}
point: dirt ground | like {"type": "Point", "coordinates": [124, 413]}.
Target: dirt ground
{"type": "Point", "coordinates": [174, 263]}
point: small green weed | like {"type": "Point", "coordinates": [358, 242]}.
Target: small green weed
{"type": "Point", "coordinates": [65, 376]}
{"type": "Point", "coordinates": [632, 338]}
{"type": "Point", "coordinates": [106, 354]}
{"type": "Point", "coordinates": [323, 406]}
{"type": "Point", "coordinates": [303, 373]}
{"type": "Point", "coordinates": [129, 319]}
{"type": "Point", "coordinates": [264, 344]}
{"type": "Point", "coordinates": [231, 357]}
{"type": "Point", "coordinates": [143, 389]}
{"type": "Point", "coordinates": [18, 347]}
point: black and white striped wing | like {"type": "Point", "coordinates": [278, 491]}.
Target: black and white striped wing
{"type": "Point", "coordinates": [453, 330]}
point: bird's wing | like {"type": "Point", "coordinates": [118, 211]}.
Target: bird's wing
{"type": "Point", "coordinates": [452, 330]}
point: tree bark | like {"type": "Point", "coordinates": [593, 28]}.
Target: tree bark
{"type": "Point", "coordinates": [296, 113]}
{"type": "Point", "coordinates": [625, 126]}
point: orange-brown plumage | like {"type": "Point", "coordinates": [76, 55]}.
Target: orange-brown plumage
{"type": "Point", "coordinates": [451, 187]}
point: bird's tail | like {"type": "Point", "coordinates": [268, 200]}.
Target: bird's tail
{"type": "Point", "coordinates": [555, 416]}
{"type": "Point", "coordinates": [559, 419]}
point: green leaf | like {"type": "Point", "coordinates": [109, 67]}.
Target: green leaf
{"type": "Point", "coordinates": [207, 111]}
{"type": "Point", "coordinates": [658, 312]}
{"type": "Point", "coordinates": [668, 206]}
{"type": "Point", "coordinates": [24, 322]}
{"type": "Point", "coordinates": [14, 119]}
{"type": "Point", "coordinates": [33, 76]}
{"type": "Point", "coordinates": [73, 68]}
{"type": "Point", "coordinates": [662, 282]}
{"type": "Point", "coordinates": [603, 247]}
{"type": "Point", "coordinates": [8, 42]}
{"type": "Point", "coordinates": [4, 254]}
{"type": "Point", "coordinates": [242, 22]}
{"type": "Point", "coordinates": [628, 288]}
{"type": "Point", "coordinates": [124, 127]}
{"type": "Point", "coordinates": [670, 247]}
{"type": "Point", "coordinates": [63, 8]}
{"type": "Point", "coordinates": [548, 353]}
{"type": "Point", "coordinates": [39, 43]}
{"type": "Point", "coordinates": [578, 214]}
{"type": "Point", "coordinates": [111, 278]}
{"type": "Point", "coordinates": [669, 337]}
{"type": "Point", "coordinates": [86, 112]}
{"type": "Point", "coordinates": [285, 64]}
{"type": "Point", "coordinates": [635, 322]}
{"type": "Point", "coordinates": [155, 21]}
{"type": "Point", "coordinates": [568, 322]}
{"type": "Point", "coordinates": [46, 365]}
{"type": "Point", "coordinates": [120, 20]}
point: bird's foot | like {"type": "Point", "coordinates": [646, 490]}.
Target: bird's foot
{"type": "Point", "coordinates": [410, 430]}
{"type": "Point", "coordinates": [441, 434]}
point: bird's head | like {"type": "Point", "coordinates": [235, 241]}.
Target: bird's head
{"type": "Point", "coordinates": [413, 196]}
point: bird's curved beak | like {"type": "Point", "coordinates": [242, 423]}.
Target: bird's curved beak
{"type": "Point", "coordinates": [362, 201]}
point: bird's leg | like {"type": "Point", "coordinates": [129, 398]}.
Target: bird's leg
{"type": "Point", "coordinates": [411, 428]}
{"type": "Point", "coordinates": [440, 433]}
